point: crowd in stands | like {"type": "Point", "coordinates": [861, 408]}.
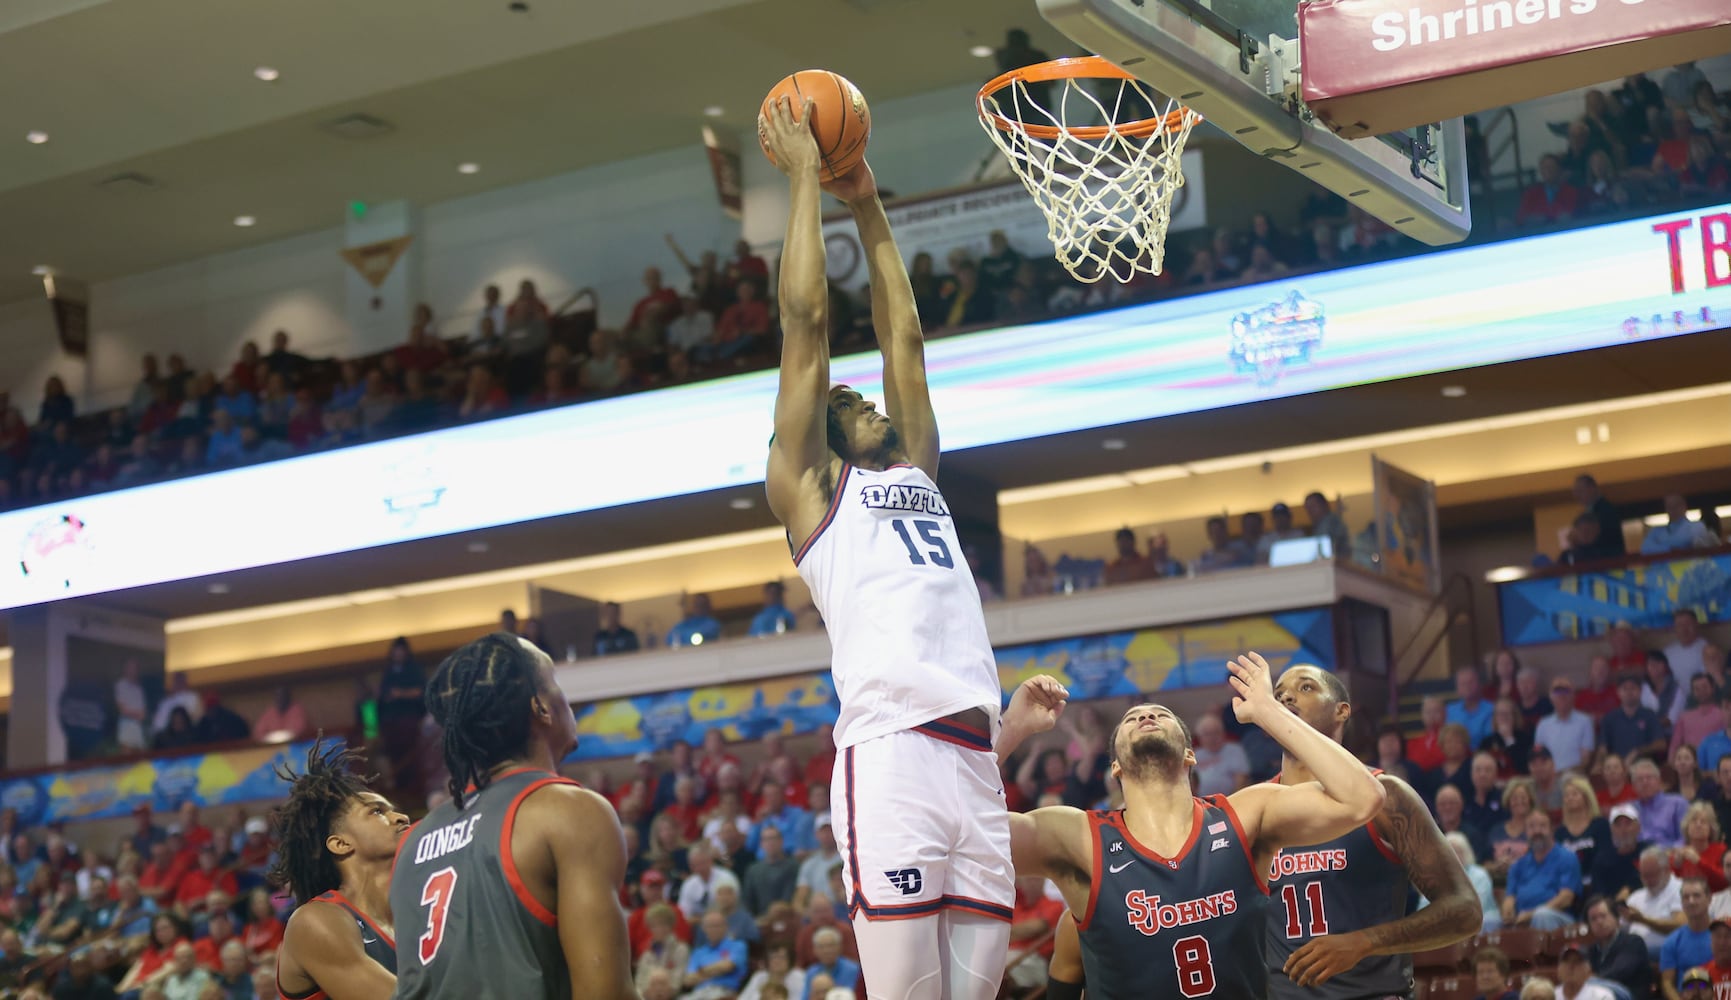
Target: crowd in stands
{"type": "Point", "coordinates": [1643, 145]}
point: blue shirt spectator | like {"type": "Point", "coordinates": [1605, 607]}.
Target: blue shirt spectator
{"type": "Point", "coordinates": [236, 402]}
{"type": "Point", "coordinates": [774, 619]}
{"type": "Point", "coordinates": [1469, 709]}
{"type": "Point", "coordinates": [826, 948]}
{"type": "Point", "coordinates": [698, 626]}
{"type": "Point", "coordinates": [1631, 725]}
{"type": "Point", "coordinates": [709, 962]}
{"type": "Point", "coordinates": [1684, 949]}
{"type": "Point", "coordinates": [1679, 533]}
{"type": "Point", "coordinates": [225, 445]}
{"type": "Point", "coordinates": [1538, 876]}
{"type": "Point", "coordinates": [794, 823]}
{"type": "Point", "coordinates": [1713, 747]}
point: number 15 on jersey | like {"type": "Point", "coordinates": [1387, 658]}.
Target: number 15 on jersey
{"type": "Point", "coordinates": [930, 546]}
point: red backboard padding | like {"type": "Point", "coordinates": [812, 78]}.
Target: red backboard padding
{"type": "Point", "coordinates": [1374, 66]}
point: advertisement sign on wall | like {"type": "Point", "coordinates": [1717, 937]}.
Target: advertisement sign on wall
{"type": "Point", "coordinates": [230, 777]}
{"type": "Point", "coordinates": [1587, 605]}
{"type": "Point", "coordinates": [1099, 666]}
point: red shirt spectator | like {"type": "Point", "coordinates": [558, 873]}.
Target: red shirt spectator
{"type": "Point", "coordinates": [657, 294]}
{"type": "Point", "coordinates": [748, 317]}
{"type": "Point", "coordinates": [160, 878]}
{"type": "Point", "coordinates": [424, 352]}
{"type": "Point", "coordinates": [1424, 750]}
{"type": "Point", "coordinates": [820, 766]}
{"type": "Point", "coordinates": [198, 883]}
{"type": "Point", "coordinates": [1034, 915]}
{"type": "Point", "coordinates": [746, 265]}
{"type": "Point", "coordinates": [1551, 199]}
{"type": "Point", "coordinates": [653, 887]}
{"type": "Point", "coordinates": [262, 936]}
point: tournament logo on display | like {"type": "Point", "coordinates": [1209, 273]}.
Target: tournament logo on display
{"type": "Point", "coordinates": [1284, 332]}
{"type": "Point", "coordinates": [55, 550]}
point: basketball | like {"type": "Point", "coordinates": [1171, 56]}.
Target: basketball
{"type": "Point", "coordinates": [840, 119]}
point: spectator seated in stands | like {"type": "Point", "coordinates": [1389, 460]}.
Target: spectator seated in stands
{"type": "Point", "coordinates": [1491, 975]}
{"type": "Point", "coordinates": [773, 618]}
{"type": "Point", "coordinates": [1129, 565]}
{"type": "Point", "coordinates": [717, 969]}
{"type": "Point", "coordinates": [1544, 883]}
{"type": "Point", "coordinates": [1281, 515]}
{"type": "Point", "coordinates": [1470, 709]}
{"type": "Point", "coordinates": [1425, 749]}
{"type": "Point", "coordinates": [611, 636]}
{"type": "Point", "coordinates": [1678, 533]}
{"type": "Point", "coordinates": [1566, 733]}
{"type": "Point", "coordinates": [1617, 957]}
{"type": "Point", "coordinates": [1687, 653]}
{"type": "Point", "coordinates": [1691, 944]}
{"type": "Point", "coordinates": [1552, 199]}
{"type": "Point", "coordinates": [1222, 552]}
{"type": "Point", "coordinates": [743, 328]}
{"type": "Point", "coordinates": [698, 626]}
{"type": "Point", "coordinates": [830, 964]}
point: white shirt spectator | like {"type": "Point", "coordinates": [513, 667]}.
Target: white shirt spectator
{"type": "Point", "coordinates": [130, 702]}
{"type": "Point", "coordinates": [687, 331]}
{"type": "Point", "coordinates": [814, 871]}
{"type": "Point", "coordinates": [187, 699]}
{"type": "Point", "coordinates": [712, 831]}
{"type": "Point", "coordinates": [1215, 769]}
{"type": "Point", "coordinates": [1666, 904]}
{"type": "Point", "coordinates": [1569, 740]}
{"type": "Point", "coordinates": [1589, 991]}
{"type": "Point", "coordinates": [1676, 537]}
{"type": "Point", "coordinates": [494, 312]}
{"type": "Point", "coordinates": [696, 894]}
{"type": "Point", "coordinates": [1686, 660]}
{"type": "Point", "coordinates": [1719, 907]}
{"type": "Point", "coordinates": [1671, 711]}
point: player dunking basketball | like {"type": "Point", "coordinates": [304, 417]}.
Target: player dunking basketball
{"type": "Point", "coordinates": [1169, 891]}
{"type": "Point", "coordinates": [511, 889]}
{"type": "Point", "coordinates": [336, 840]}
{"type": "Point", "coordinates": [1337, 925]}
{"type": "Point", "coordinates": [917, 800]}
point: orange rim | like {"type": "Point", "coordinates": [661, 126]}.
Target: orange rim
{"type": "Point", "coordinates": [1079, 68]}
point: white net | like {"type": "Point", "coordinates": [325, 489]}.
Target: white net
{"type": "Point", "coordinates": [1101, 160]}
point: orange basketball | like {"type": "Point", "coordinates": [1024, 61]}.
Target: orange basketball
{"type": "Point", "coordinates": [840, 119]}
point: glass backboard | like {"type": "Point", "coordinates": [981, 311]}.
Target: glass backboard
{"type": "Point", "coordinates": [1237, 63]}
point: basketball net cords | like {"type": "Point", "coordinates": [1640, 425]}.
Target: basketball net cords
{"type": "Point", "coordinates": [1107, 201]}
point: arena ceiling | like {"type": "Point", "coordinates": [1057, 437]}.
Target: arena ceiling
{"type": "Point", "coordinates": [165, 90]}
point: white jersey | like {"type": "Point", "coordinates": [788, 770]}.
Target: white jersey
{"type": "Point", "coordinates": [908, 638]}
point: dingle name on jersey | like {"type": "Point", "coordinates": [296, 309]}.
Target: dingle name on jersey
{"type": "Point", "coordinates": [1150, 916]}
{"type": "Point", "coordinates": [1305, 863]}
{"type": "Point", "coordinates": [446, 839]}
{"type": "Point", "coordinates": [917, 499]}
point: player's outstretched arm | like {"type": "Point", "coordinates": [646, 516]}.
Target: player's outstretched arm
{"type": "Point", "coordinates": [1052, 843]}
{"type": "Point", "coordinates": [1434, 869]}
{"type": "Point", "coordinates": [588, 857]}
{"type": "Point", "coordinates": [1345, 796]}
{"type": "Point", "coordinates": [799, 452]}
{"type": "Point", "coordinates": [895, 320]}
{"type": "Point", "coordinates": [323, 940]}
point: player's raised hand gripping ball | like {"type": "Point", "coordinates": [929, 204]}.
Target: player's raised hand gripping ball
{"type": "Point", "coordinates": [836, 113]}
{"type": "Point", "coordinates": [778, 129]}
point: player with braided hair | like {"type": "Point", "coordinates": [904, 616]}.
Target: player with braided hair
{"type": "Point", "coordinates": [336, 841]}
{"type": "Point", "coordinates": [511, 889]}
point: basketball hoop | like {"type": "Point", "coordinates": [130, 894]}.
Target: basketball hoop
{"type": "Point", "coordinates": [1105, 185]}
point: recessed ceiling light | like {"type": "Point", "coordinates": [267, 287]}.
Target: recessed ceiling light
{"type": "Point", "coordinates": [244, 221]}
{"type": "Point", "coordinates": [1454, 391]}
{"type": "Point", "coordinates": [714, 111]}
{"type": "Point", "coordinates": [468, 168]}
{"type": "Point", "coordinates": [266, 73]}
{"type": "Point", "coordinates": [742, 503]}
{"type": "Point", "coordinates": [41, 270]}
{"type": "Point", "coordinates": [1114, 444]}
{"type": "Point", "coordinates": [36, 137]}
{"type": "Point", "coordinates": [217, 588]}
{"type": "Point", "coordinates": [479, 547]}
{"type": "Point", "coordinates": [981, 52]}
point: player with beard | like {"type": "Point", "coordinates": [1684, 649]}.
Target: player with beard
{"type": "Point", "coordinates": [1338, 927]}
{"type": "Point", "coordinates": [917, 798]}
{"type": "Point", "coordinates": [1168, 892]}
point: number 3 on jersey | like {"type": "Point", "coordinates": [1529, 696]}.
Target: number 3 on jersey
{"type": "Point", "coordinates": [933, 534]}
{"type": "Point", "coordinates": [436, 895]}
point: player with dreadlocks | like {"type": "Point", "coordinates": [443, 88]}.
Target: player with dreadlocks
{"type": "Point", "coordinates": [336, 842]}
{"type": "Point", "coordinates": [511, 889]}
